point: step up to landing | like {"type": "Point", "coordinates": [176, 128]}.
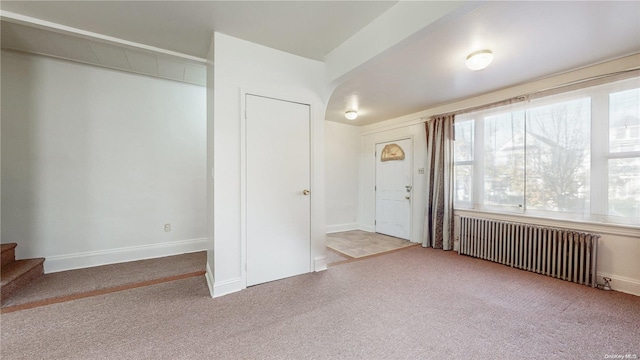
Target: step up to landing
{"type": "Point", "coordinates": [16, 274]}
{"type": "Point", "coordinates": [8, 253]}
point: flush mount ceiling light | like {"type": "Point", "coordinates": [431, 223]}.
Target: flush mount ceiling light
{"type": "Point", "coordinates": [351, 115]}
{"type": "Point", "coordinates": [479, 60]}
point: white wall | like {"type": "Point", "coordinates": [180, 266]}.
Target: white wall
{"type": "Point", "coordinates": [240, 65]}
{"type": "Point", "coordinates": [619, 246]}
{"type": "Point", "coordinates": [342, 160]}
{"type": "Point", "coordinates": [96, 161]}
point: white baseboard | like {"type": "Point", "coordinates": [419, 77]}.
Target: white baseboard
{"type": "Point", "coordinates": [320, 263]}
{"type": "Point", "coordinates": [621, 283]}
{"type": "Point", "coordinates": [210, 281]}
{"type": "Point", "coordinates": [226, 287]}
{"type": "Point", "coordinates": [113, 256]}
{"type": "Point", "coordinates": [342, 227]}
{"type": "Point", "coordinates": [367, 228]}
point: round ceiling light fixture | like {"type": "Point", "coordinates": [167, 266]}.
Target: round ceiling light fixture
{"type": "Point", "coordinates": [479, 60]}
{"type": "Point", "coordinates": [351, 115]}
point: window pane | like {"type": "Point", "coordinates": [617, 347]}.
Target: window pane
{"type": "Point", "coordinates": [464, 177]}
{"type": "Point", "coordinates": [624, 121]}
{"type": "Point", "coordinates": [504, 159]}
{"type": "Point", "coordinates": [463, 146]}
{"type": "Point", "coordinates": [624, 187]}
{"type": "Point", "coordinates": [558, 156]}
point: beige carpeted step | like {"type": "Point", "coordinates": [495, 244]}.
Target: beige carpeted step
{"type": "Point", "coordinates": [8, 254]}
{"type": "Point", "coordinates": [18, 274]}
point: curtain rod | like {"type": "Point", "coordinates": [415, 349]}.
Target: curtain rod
{"type": "Point", "coordinates": [544, 92]}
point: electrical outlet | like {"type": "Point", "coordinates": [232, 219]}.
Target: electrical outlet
{"type": "Point", "coordinates": [167, 227]}
{"type": "Point", "coordinates": [421, 171]}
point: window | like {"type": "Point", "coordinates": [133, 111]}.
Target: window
{"type": "Point", "coordinates": [575, 155]}
{"type": "Point", "coordinates": [504, 159]}
{"type": "Point", "coordinates": [558, 156]}
{"type": "Point", "coordinates": [463, 160]}
{"type": "Point", "coordinates": [624, 154]}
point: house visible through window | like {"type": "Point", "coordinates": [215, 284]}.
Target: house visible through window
{"type": "Point", "coordinates": [552, 156]}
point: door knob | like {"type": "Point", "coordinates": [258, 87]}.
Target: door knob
{"type": "Point", "coordinates": [305, 192]}
{"type": "Point", "coordinates": [407, 197]}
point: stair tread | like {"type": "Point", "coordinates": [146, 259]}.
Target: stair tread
{"type": "Point", "coordinates": [7, 247]}
{"type": "Point", "coordinates": [17, 268]}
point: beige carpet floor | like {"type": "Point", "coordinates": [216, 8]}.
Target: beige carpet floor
{"type": "Point", "coordinates": [358, 243]}
{"type": "Point", "coordinates": [411, 304]}
{"type": "Point", "coordinates": [67, 284]}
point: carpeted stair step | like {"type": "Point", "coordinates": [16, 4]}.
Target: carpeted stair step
{"type": "Point", "coordinates": [18, 274]}
{"type": "Point", "coordinates": [8, 254]}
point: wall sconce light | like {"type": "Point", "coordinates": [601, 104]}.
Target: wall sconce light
{"type": "Point", "coordinates": [479, 60]}
{"type": "Point", "coordinates": [351, 115]}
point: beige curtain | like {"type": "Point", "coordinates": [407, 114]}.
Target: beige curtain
{"type": "Point", "coordinates": [438, 222]}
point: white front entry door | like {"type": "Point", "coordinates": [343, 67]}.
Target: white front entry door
{"type": "Point", "coordinates": [394, 190]}
{"type": "Point", "coordinates": [278, 207]}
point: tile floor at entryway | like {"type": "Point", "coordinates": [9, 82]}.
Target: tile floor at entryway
{"type": "Point", "coordinates": [356, 244]}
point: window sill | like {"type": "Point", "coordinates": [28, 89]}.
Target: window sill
{"type": "Point", "coordinates": [601, 228]}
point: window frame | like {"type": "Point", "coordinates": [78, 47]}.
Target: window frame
{"type": "Point", "coordinates": [600, 155]}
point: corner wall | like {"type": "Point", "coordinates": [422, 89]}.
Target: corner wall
{"type": "Point", "coordinates": [241, 65]}
{"type": "Point", "coordinates": [210, 195]}
{"type": "Point", "coordinates": [342, 154]}
{"type": "Point", "coordinates": [96, 161]}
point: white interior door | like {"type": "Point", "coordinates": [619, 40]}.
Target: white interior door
{"type": "Point", "coordinates": [278, 205]}
{"type": "Point", "coordinates": [394, 191]}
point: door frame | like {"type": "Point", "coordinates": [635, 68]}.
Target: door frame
{"type": "Point", "coordinates": [375, 182]}
{"type": "Point", "coordinates": [317, 261]}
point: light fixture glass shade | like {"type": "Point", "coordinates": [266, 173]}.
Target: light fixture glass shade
{"type": "Point", "coordinates": [351, 115]}
{"type": "Point", "coordinates": [479, 60]}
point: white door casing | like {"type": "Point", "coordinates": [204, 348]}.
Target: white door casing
{"type": "Point", "coordinates": [278, 217]}
{"type": "Point", "coordinates": [394, 192]}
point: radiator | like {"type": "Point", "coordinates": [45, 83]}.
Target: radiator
{"type": "Point", "coordinates": [559, 253]}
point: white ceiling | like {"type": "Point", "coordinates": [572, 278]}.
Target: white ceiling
{"type": "Point", "coordinates": [529, 39]}
{"type": "Point", "coordinates": [306, 28]}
